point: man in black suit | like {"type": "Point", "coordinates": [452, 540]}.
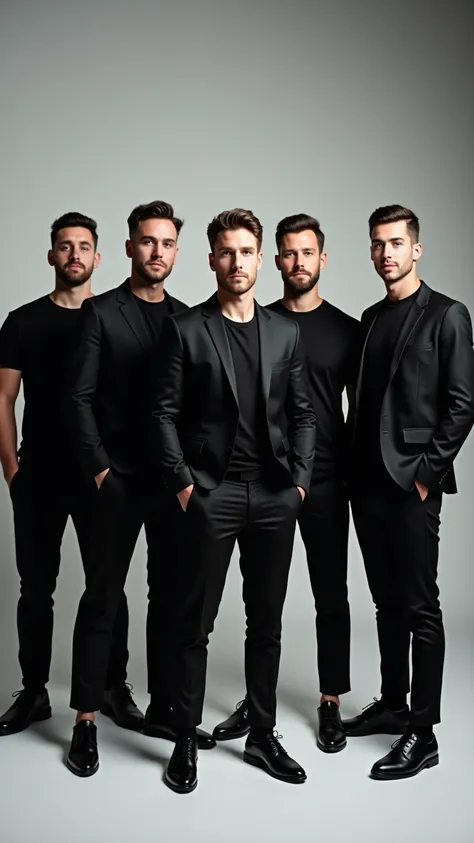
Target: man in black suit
{"type": "Point", "coordinates": [109, 411]}
{"type": "Point", "coordinates": [234, 432]}
{"type": "Point", "coordinates": [414, 409]}
{"type": "Point", "coordinates": [37, 341]}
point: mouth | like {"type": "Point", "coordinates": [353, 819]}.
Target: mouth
{"type": "Point", "coordinates": [300, 275]}
{"type": "Point", "coordinates": [389, 266]}
{"type": "Point", "coordinates": [74, 266]}
{"type": "Point", "coordinates": [156, 265]}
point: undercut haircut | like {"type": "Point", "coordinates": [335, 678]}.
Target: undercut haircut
{"type": "Point", "coordinates": [156, 210]}
{"type": "Point", "coordinates": [74, 220]}
{"type": "Point", "coordinates": [396, 213]}
{"type": "Point", "coordinates": [232, 221]}
{"type": "Point", "coordinates": [295, 225]}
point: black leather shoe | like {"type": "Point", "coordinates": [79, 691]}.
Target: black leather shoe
{"type": "Point", "coordinates": [268, 753]}
{"type": "Point", "coordinates": [83, 758]}
{"type": "Point", "coordinates": [119, 705]}
{"type": "Point", "coordinates": [409, 755]}
{"type": "Point", "coordinates": [29, 707]}
{"type": "Point", "coordinates": [157, 726]}
{"type": "Point", "coordinates": [375, 719]}
{"type": "Point", "coordinates": [236, 726]}
{"type": "Point", "coordinates": [331, 735]}
{"type": "Point", "coordinates": [181, 773]}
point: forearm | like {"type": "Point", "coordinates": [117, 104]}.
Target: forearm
{"type": "Point", "coordinates": [8, 437]}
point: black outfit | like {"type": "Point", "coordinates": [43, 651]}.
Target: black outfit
{"type": "Point", "coordinates": [38, 340]}
{"type": "Point", "coordinates": [108, 411]}
{"type": "Point", "coordinates": [196, 420]}
{"type": "Point", "coordinates": [414, 409]}
{"type": "Point", "coordinates": [328, 337]}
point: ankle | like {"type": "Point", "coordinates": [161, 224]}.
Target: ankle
{"type": "Point", "coordinates": [329, 698]}
{"type": "Point", "coordinates": [394, 703]}
{"type": "Point", "coordinates": [258, 733]}
{"type": "Point", "coordinates": [423, 732]}
{"type": "Point", "coordinates": [85, 715]}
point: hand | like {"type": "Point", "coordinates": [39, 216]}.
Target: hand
{"type": "Point", "coordinates": [99, 478]}
{"type": "Point", "coordinates": [184, 495]}
{"type": "Point", "coordinates": [10, 475]}
{"type": "Point", "coordinates": [422, 490]}
{"type": "Point", "coordinates": [302, 492]}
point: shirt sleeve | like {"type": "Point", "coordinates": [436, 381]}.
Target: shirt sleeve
{"type": "Point", "coordinates": [10, 345]}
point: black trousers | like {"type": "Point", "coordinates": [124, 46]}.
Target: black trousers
{"type": "Point", "coordinates": [398, 537]}
{"type": "Point", "coordinates": [324, 527]}
{"type": "Point", "coordinates": [42, 502]}
{"type": "Point", "coordinates": [125, 503]}
{"type": "Point", "coordinates": [262, 520]}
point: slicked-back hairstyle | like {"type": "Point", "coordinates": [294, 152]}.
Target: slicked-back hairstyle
{"type": "Point", "coordinates": [74, 220]}
{"type": "Point", "coordinates": [157, 210]}
{"type": "Point", "coordinates": [295, 225]}
{"type": "Point", "coordinates": [396, 213]}
{"type": "Point", "coordinates": [232, 221]}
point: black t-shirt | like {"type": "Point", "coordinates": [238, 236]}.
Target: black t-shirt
{"type": "Point", "coordinates": [37, 339]}
{"type": "Point", "coordinates": [369, 465]}
{"type": "Point", "coordinates": [154, 314]}
{"type": "Point", "coordinates": [245, 351]}
{"type": "Point", "coordinates": [328, 336]}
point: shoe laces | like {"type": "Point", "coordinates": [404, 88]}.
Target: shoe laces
{"type": "Point", "coordinates": [274, 741]}
{"type": "Point", "coordinates": [405, 743]}
{"type": "Point", "coordinates": [370, 704]}
{"type": "Point", "coordinates": [126, 690]}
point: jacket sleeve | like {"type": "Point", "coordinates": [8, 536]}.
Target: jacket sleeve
{"type": "Point", "coordinates": [86, 441]}
{"type": "Point", "coordinates": [456, 396]}
{"type": "Point", "coordinates": [167, 399]}
{"type": "Point", "coordinates": [301, 418]}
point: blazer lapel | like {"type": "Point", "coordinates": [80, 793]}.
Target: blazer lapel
{"type": "Point", "coordinates": [215, 326]}
{"type": "Point", "coordinates": [362, 357]}
{"type": "Point", "coordinates": [265, 338]}
{"type": "Point", "coordinates": [411, 321]}
{"type": "Point", "coordinates": [131, 312]}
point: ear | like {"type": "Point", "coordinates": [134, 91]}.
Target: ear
{"type": "Point", "coordinates": [50, 257]}
{"type": "Point", "coordinates": [278, 262]}
{"type": "Point", "coordinates": [259, 260]}
{"type": "Point", "coordinates": [211, 262]}
{"type": "Point", "coordinates": [323, 259]}
{"type": "Point", "coordinates": [417, 251]}
{"type": "Point", "coordinates": [96, 260]}
{"type": "Point", "coordinates": [175, 255]}
{"type": "Point", "coordinates": [128, 248]}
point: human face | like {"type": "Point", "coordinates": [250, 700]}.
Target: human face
{"type": "Point", "coordinates": [153, 249]}
{"type": "Point", "coordinates": [392, 251]}
{"type": "Point", "coordinates": [300, 261]}
{"type": "Point", "coordinates": [73, 256]}
{"type": "Point", "coordinates": [236, 261]}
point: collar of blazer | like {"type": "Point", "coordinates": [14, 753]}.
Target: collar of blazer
{"type": "Point", "coordinates": [412, 318]}
{"type": "Point", "coordinates": [132, 314]}
{"type": "Point", "coordinates": [216, 327]}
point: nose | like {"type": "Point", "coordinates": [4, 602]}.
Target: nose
{"type": "Point", "coordinates": [158, 250]}
{"type": "Point", "coordinates": [76, 252]}
{"type": "Point", "coordinates": [238, 260]}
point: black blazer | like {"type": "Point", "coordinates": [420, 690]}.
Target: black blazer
{"type": "Point", "coordinates": [428, 408]}
{"type": "Point", "coordinates": [108, 405]}
{"type": "Point", "coordinates": [195, 404]}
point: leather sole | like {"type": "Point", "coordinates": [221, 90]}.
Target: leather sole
{"type": "Point", "coordinates": [231, 737]}
{"type": "Point", "coordinates": [168, 735]}
{"type": "Point", "coordinates": [430, 762]}
{"type": "Point", "coordinates": [44, 714]}
{"type": "Point", "coordinates": [108, 711]}
{"type": "Point", "coordinates": [179, 788]}
{"type": "Point", "coordinates": [259, 762]}
{"type": "Point", "coordinates": [331, 749]}
{"type": "Point", "coordinates": [82, 774]}
{"type": "Point", "coordinates": [366, 733]}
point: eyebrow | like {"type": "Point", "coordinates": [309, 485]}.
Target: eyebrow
{"type": "Point", "coordinates": [155, 239]}
{"type": "Point", "coordinates": [70, 243]}
{"type": "Point", "coordinates": [390, 240]}
{"type": "Point", "coordinates": [235, 249]}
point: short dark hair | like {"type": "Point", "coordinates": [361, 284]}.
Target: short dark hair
{"type": "Point", "coordinates": [232, 221]}
{"type": "Point", "coordinates": [295, 225]}
{"type": "Point", "coordinates": [396, 213]}
{"type": "Point", "coordinates": [74, 220]}
{"type": "Point", "coordinates": [156, 210]}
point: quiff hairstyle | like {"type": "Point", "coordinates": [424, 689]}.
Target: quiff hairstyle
{"type": "Point", "coordinates": [396, 213]}
{"type": "Point", "coordinates": [157, 210]}
{"type": "Point", "coordinates": [295, 225]}
{"type": "Point", "coordinates": [232, 221]}
{"type": "Point", "coordinates": [73, 219]}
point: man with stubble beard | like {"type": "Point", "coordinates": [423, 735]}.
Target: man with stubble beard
{"type": "Point", "coordinates": [46, 485]}
{"type": "Point", "coordinates": [108, 410]}
{"type": "Point", "coordinates": [328, 337]}
{"type": "Point", "coordinates": [234, 436]}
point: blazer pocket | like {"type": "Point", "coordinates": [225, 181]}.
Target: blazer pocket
{"type": "Point", "coordinates": [193, 447]}
{"type": "Point", "coordinates": [418, 435]}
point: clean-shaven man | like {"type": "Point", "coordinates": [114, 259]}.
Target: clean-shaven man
{"type": "Point", "coordinates": [414, 409]}
{"type": "Point", "coordinates": [234, 432]}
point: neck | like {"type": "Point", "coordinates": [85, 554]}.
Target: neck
{"type": "Point", "coordinates": [398, 290]}
{"type": "Point", "coordinates": [301, 303]}
{"type": "Point", "coordinates": [71, 297]}
{"type": "Point", "coordinates": [237, 308]}
{"type": "Point", "coordinates": [148, 292]}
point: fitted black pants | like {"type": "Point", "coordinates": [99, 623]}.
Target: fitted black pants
{"type": "Point", "coordinates": [262, 520]}
{"type": "Point", "coordinates": [42, 504]}
{"type": "Point", "coordinates": [324, 527]}
{"type": "Point", "coordinates": [125, 503]}
{"type": "Point", "coordinates": [398, 537]}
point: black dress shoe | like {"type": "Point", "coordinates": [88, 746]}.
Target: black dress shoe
{"type": "Point", "coordinates": [119, 705]}
{"type": "Point", "coordinates": [409, 756]}
{"type": "Point", "coordinates": [236, 726]}
{"type": "Point", "coordinates": [29, 706]}
{"type": "Point", "coordinates": [157, 726]}
{"type": "Point", "coordinates": [331, 735]}
{"type": "Point", "coordinates": [181, 773]}
{"type": "Point", "coordinates": [375, 719]}
{"type": "Point", "coordinates": [268, 753]}
{"type": "Point", "coordinates": [83, 758]}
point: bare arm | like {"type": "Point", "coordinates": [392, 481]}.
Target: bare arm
{"type": "Point", "coordinates": [10, 380]}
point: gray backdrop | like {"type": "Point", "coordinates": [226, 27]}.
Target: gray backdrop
{"type": "Point", "coordinates": [331, 108]}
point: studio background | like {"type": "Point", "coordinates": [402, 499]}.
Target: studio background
{"type": "Point", "coordinates": [331, 108]}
